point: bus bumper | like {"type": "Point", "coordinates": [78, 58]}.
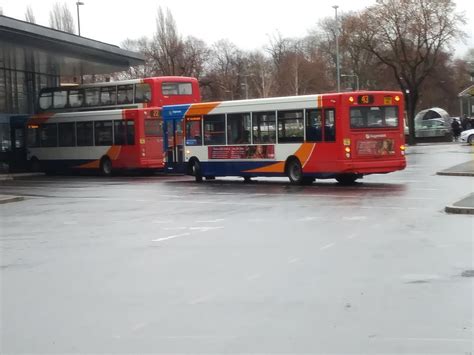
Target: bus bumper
{"type": "Point", "coordinates": [373, 167]}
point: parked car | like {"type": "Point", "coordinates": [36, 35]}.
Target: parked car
{"type": "Point", "coordinates": [467, 136]}
{"type": "Point", "coordinates": [434, 127]}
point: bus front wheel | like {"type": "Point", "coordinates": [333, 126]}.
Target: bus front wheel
{"type": "Point", "coordinates": [105, 166]}
{"type": "Point", "coordinates": [196, 170]}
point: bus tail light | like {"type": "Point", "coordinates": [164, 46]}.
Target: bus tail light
{"type": "Point", "coordinates": [402, 149]}
{"type": "Point", "coordinates": [348, 152]}
{"type": "Point", "coordinates": [143, 152]}
{"type": "Point", "coordinates": [397, 98]}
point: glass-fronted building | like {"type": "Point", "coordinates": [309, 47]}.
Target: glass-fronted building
{"type": "Point", "coordinates": [33, 57]}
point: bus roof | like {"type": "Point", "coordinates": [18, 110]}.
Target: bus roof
{"type": "Point", "coordinates": [173, 112]}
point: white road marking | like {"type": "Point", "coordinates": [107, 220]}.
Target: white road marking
{"type": "Point", "coordinates": [171, 237]}
{"type": "Point", "coordinates": [68, 223]}
{"type": "Point", "coordinates": [327, 246]}
{"type": "Point", "coordinates": [255, 220]}
{"type": "Point", "coordinates": [204, 229]}
{"type": "Point", "coordinates": [306, 219]}
{"type": "Point", "coordinates": [355, 218]}
{"type": "Point", "coordinates": [253, 277]}
{"type": "Point", "coordinates": [352, 236]}
{"type": "Point", "coordinates": [201, 299]}
{"type": "Point", "coordinates": [293, 260]}
{"type": "Point", "coordinates": [173, 228]}
{"type": "Point", "coordinates": [160, 222]}
{"type": "Point", "coordinates": [212, 221]}
{"type": "Point", "coordinates": [427, 339]}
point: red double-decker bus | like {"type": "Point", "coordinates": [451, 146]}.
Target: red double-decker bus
{"type": "Point", "coordinates": [339, 135]}
{"type": "Point", "coordinates": [135, 93]}
{"type": "Point", "coordinates": [104, 126]}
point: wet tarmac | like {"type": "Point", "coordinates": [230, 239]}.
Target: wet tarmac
{"type": "Point", "coordinates": [162, 264]}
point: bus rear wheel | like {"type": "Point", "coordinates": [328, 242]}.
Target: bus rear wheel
{"type": "Point", "coordinates": [294, 171]}
{"type": "Point", "coordinates": [105, 166]}
{"type": "Point", "coordinates": [346, 179]}
{"type": "Point", "coordinates": [35, 165]}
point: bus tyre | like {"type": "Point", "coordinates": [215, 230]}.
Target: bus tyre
{"type": "Point", "coordinates": [470, 139]}
{"type": "Point", "coordinates": [35, 165]}
{"type": "Point", "coordinates": [294, 171]}
{"type": "Point", "coordinates": [346, 179]}
{"type": "Point", "coordinates": [105, 166]}
{"type": "Point", "coordinates": [196, 170]}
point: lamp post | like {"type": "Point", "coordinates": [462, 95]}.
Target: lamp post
{"type": "Point", "coordinates": [335, 7]}
{"type": "Point", "coordinates": [357, 79]}
{"type": "Point", "coordinates": [79, 3]}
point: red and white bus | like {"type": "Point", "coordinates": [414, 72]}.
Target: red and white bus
{"type": "Point", "coordinates": [136, 93]}
{"type": "Point", "coordinates": [104, 140]}
{"type": "Point", "coordinates": [339, 135]}
{"type": "Point", "coordinates": [94, 127]}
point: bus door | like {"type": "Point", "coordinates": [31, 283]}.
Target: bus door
{"type": "Point", "coordinates": [17, 159]}
{"type": "Point", "coordinates": [173, 137]}
{"type": "Point", "coordinates": [154, 138]}
{"type": "Point", "coordinates": [321, 129]}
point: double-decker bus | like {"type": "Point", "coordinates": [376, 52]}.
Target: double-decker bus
{"type": "Point", "coordinates": [136, 93]}
{"type": "Point", "coordinates": [339, 135]}
{"type": "Point", "coordinates": [104, 140]}
{"type": "Point", "coordinates": [105, 126]}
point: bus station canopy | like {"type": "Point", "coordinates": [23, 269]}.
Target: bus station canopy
{"type": "Point", "coordinates": [29, 47]}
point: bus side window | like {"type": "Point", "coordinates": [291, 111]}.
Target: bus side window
{"type": "Point", "coordinates": [76, 98]}
{"type": "Point", "coordinates": [60, 99]}
{"type": "Point", "coordinates": [108, 95]}
{"type": "Point", "coordinates": [329, 125]}
{"type": "Point", "coordinates": [49, 135]}
{"type": "Point", "coordinates": [290, 126]}
{"type": "Point", "coordinates": [314, 125]}
{"type": "Point", "coordinates": [130, 132]}
{"type": "Point", "coordinates": [45, 100]}
{"type": "Point", "coordinates": [193, 132]}
{"type": "Point", "coordinates": [214, 129]}
{"type": "Point", "coordinates": [120, 133]}
{"type": "Point", "coordinates": [67, 134]}
{"type": "Point", "coordinates": [85, 134]}
{"type": "Point", "coordinates": [124, 94]}
{"type": "Point", "coordinates": [92, 96]}
{"type": "Point", "coordinates": [32, 136]}
{"type": "Point", "coordinates": [142, 93]}
{"type": "Point", "coordinates": [103, 133]}
{"type": "Point", "coordinates": [239, 126]}
{"type": "Point", "coordinates": [263, 127]}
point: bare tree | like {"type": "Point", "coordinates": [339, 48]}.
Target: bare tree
{"type": "Point", "coordinates": [408, 36]}
{"type": "Point", "coordinates": [1, 11]}
{"type": "Point", "coordinates": [29, 15]}
{"type": "Point", "coordinates": [60, 18]}
{"type": "Point", "coordinates": [167, 45]}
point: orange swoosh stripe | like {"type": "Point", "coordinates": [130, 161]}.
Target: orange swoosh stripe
{"type": "Point", "coordinates": [113, 153]}
{"type": "Point", "coordinates": [201, 109]}
{"type": "Point", "coordinates": [303, 153]}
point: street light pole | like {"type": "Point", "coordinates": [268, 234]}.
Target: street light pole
{"type": "Point", "coordinates": [78, 18]}
{"type": "Point", "coordinates": [335, 7]}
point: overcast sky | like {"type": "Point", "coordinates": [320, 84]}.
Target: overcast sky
{"type": "Point", "coordinates": [247, 23]}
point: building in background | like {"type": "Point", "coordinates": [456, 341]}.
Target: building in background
{"type": "Point", "coordinates": [33, 57]}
